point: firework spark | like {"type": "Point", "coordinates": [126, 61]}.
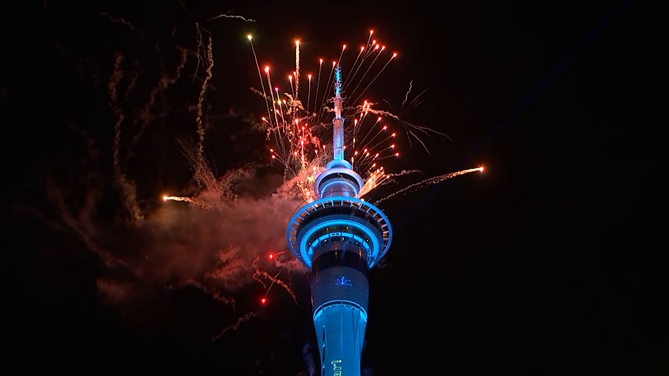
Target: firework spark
{"type": "Point", "coordinates": [236, 325]}
{"type": "Point", "coordinates": [300, 135]}
{"type": "Point", "coordinates": [429, 181]}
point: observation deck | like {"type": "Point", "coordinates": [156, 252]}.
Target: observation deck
{"type": "Point", "coordinates": [340, 237]}
{"type": "Point", "coordinates": [339, 220]}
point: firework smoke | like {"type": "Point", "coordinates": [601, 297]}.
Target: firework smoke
{"type": "Point", "coordinates": [216, 239]}
{"type": "Point", "coordinates": [308, 358]}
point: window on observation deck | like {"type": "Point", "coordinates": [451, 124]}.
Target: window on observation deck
{"type": "Point", "coordinates": [341, 234]}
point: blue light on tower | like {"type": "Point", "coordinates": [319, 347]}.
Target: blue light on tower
{"type": "Point", "coordinates": [340, 238]}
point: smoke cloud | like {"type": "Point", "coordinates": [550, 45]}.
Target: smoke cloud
{"type": "Point", "coordinates": [308, 356]}
{"type": "Point", "coordinates": [219, 244]}
{"type": "Point", "coordinates": [219, 240]}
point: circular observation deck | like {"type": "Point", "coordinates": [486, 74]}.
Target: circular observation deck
{"type": "Point", "coordinates": [339, 219]}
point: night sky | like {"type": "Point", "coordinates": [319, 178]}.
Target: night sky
{"type": "Point", "coordinates": [543, 265]}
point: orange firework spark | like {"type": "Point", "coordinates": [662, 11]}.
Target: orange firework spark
{"type": "Point", "coordinates": [300, 131]}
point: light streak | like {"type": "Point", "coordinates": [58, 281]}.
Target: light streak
{"type": "Point", "coordinates": [297, 69]}
{"type": "Point", "coordinates": [236, 325]}
{"type": "Point", "coordinates": [234, 16]}
{"type": "Point", "coordinates": [429, 181]}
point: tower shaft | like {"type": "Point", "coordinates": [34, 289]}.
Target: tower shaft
{"type": "Point", "coordinates": [340, 294]}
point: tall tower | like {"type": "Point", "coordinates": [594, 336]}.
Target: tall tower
{"type": "Point", "coordinates": [340, 238]}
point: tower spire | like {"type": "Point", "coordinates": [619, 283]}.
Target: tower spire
{"type": "Point", "coordinates": [338, 123]}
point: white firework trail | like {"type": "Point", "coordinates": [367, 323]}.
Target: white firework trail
{"type": "Point", "coordinates": [428, 182]}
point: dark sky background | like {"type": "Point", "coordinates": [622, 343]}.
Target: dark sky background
{"type": "Point", "coordinates": [544, 265]}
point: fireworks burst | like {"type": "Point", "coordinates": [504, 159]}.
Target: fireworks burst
{"type": "Point", "coordinates": [301, 132]}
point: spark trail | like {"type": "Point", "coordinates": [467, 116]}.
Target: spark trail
{"type": "Point", "coordinates": [297, 69]}
{"type": "Point", "coordinates": [233, 16]}
{"type": "Point", "coordinates": [236, 325]}
{"type": "Point", "coordinates": [429, 181]}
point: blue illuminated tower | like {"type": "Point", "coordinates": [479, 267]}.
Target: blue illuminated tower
{"type": "Point", "coordinates": [340, 238]}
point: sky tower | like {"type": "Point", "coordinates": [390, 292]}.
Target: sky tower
{"type": "Point", "coordinates": [340, 238]}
